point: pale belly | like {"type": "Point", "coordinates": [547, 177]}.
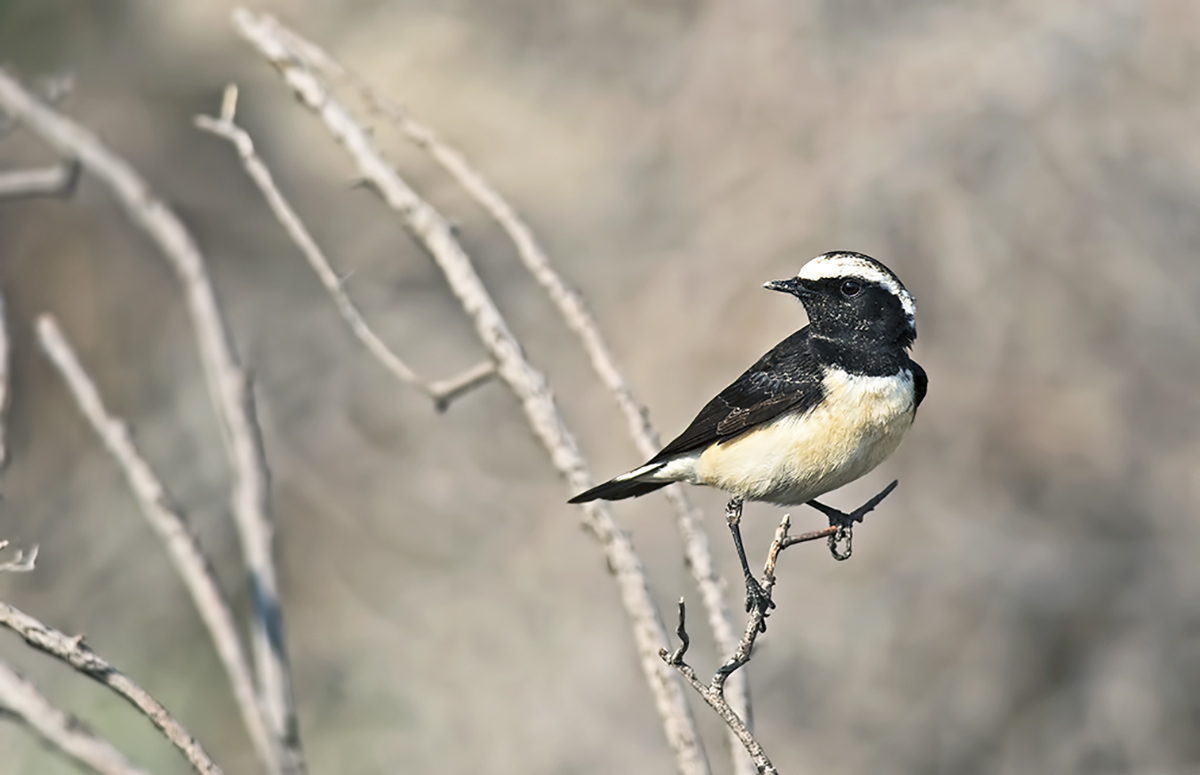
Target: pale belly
{"type": "Point", "coordinates": [794, 459]}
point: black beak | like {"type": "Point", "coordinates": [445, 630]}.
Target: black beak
{"type": "Point", "coordinates": [791, 286]}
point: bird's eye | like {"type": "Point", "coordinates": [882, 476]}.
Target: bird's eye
{"type": "Point", "coordinates": [851, 288]}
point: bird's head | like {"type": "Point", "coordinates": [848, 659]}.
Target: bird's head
{"type": "Point", "coordinates": [852, 296]}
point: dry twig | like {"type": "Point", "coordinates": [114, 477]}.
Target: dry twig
{"type": "Point", "coordinates": [75, 653]}
{"type": "Point", "coordinates": [713, 692]}
{"type": "Point", "coordinates": [173, 530]}
{"type": "Point", "coordinates": [579, 319]}
{"type": "Point", "coordinates": [5, 391]}
{"type": "Point", "coordinates": [21, 699]}
{"type": "Point", "coordinates": [22, 562]}
{"type": "Point", "coordinates": [441, 392]}
{"type": "Point", "coordinates": [229, 388]}
{"type": "Point", "coordinates": [529, 385]}
{"type": "Point", "coordinates": [58, 180]}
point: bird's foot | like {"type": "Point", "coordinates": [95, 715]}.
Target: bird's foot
{"type": "Point", "coordinates": [758, 599]}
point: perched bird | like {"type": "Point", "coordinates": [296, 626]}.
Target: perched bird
{"type": "Point", "coordinates": [824, 407]}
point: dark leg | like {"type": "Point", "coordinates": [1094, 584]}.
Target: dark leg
{"type": "Point", "coordinates": [756, 596]}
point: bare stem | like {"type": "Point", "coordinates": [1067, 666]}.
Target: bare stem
{"type": "Point", "coordinates": [60, 729]}
{"type": "Point", "coordinates": [57, 180]}
{"type": "Point", "coordinates": [75, 653]}
{"type": "Point", "coordinates": [168, 523]}
{"type": "Point", "coordinates": [441, 392]}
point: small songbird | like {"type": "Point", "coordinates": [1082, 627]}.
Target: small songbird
{"type": "Point", "coordinates": [824, 407]}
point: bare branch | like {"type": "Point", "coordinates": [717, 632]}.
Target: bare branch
{"type": "Point", "coordinates": [181, 543]}
{"type": "Point", "coordinates": [5, 380]}
{"type": "Point", "coordinates": [228, 386]}
{"type": "Point", "coordinates": [57, 180]}
{"type": "Point", "coordinates": [60, 729]}
{"type": "Point", "coordinates": [529, 385]}
{"type": "Point", "coordinates": [713, 692]}
{"type": "Point", "coordinates": [22, 562]}
{"type": "Point", "coordinates": [579, 319]}
{"type": "Point", "coordinates": [75, 653]}
{"type": "Point", "coordinates": [442, 392]}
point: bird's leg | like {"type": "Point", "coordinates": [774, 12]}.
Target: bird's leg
{"type": "Point", "coordinates": [756, 596]}
{"type": "Point", "coordinates": [845, 522]}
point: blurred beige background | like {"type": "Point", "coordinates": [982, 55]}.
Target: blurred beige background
{"type": "Point", "coordinates": [1025, 603]}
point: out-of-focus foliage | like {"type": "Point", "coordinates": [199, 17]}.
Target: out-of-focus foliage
{"type": "Point", "coordinates": [1025, 602]}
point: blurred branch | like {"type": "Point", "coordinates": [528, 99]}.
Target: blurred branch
{"type": "Point", "coordinates": [528, 385]}
{"type": "Point", "coordinates": [580, 320]}
{"type": "Point", "coordinates": [21, 563]}
{"type": "Point", "coordinates": [173, 530]}
{"type": "Point", "coordinates": [442, 392]}
{"type": "Point", "coordinates": [713, 692]}
{"type": "Point", "coordinates": [60, 730]}
{"type": "Point", "coordinates": [228, 385]}
{"type": "Point", "coordinates": [57, 180]}
{"type": "Point", "coordinates": [5, 381]}
{"type": "Point", "coordinates": [75, 653]}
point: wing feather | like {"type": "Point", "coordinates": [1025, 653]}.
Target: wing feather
{"type": "Point", "coordinates": [786, 378]}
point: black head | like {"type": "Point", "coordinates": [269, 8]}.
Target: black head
{"type": "Point", "coordinates": [851, 296]}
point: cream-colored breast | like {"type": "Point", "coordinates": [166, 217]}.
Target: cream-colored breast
{"type": "Point", "coordinates": [795, 458]}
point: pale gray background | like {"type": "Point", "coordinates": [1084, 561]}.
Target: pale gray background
{"type": "Point", "coordinates": [1027, 601]}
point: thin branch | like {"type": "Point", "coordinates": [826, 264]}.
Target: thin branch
{"type": "Point", "coordinates": [21, 562]}
{"type": "Point", "coordinates": [60, 729]}
{"type": "Point", "coordinates": [713, 692]}
{"type": "Point", "coordinates": [442, 392]}
{"type": "Point", "coordinates": [5, 380]}
{"type": "Point", "coordinates": [57, 180]}
{"type": "Point", "coordinates": [228, 385]}
{"type": "Point", "coordinates": [579, 319]}
{"type": "Point", "coordinates": [173, 530]}
{"type": "Point", "coordinates": [75, 653]}
{"type": "Point", "coordinates": [528, 385]}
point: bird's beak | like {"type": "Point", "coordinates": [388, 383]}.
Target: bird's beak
{"type": "Point", "coordinates": [791, 286]}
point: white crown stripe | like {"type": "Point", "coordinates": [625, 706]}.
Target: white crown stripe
{"type": "Point", "coordinates": [848, 265]}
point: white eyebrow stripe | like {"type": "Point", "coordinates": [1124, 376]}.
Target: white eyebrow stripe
{"type": "Point", "coordinates": [846, 265]}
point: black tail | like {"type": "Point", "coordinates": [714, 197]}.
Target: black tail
{"type": "Point", "coordinates": [614, 490]}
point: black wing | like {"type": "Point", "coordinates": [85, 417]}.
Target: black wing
{"type": "Point", "coordinates": [920, 382]}
{"type": "Point", "coordinates": [786, 378]}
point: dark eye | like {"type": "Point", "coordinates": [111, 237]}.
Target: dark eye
{"type": "Point", "coordinates": [851, 288]}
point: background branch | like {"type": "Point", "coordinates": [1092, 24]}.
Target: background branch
{"type": "Point", "coordinates": [75, 653]}
{"type": "Point", "coordinates": [442, 392]}
{"type": "Point", "coordinates": [228, 386]}
{"type": "Point", "coordinates": [59, 729]}
{"type": "Point", "coordinates": [182, 545]}
{"type": "Point", "coordinates": [527, 384]}
{"type": "Point", "coordinates": [580, 320]}
{"type": "Point", "coordinates": [55, 180]}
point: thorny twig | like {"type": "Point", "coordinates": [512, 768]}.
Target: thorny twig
{"type": "Point", "coordinates": [441, 392]}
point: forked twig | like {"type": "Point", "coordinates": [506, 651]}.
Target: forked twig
{"type": "Point", "coordinates": [441, 392]}
{"type": "Point", "coordinates": [75, 653]}
{"type": "Point", "coordinates": [713, 692]}
{"type": "Point", "coordinates": [177, 537]}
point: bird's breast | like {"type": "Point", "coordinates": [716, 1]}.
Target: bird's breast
{"type": "Point", "coordinates": [797, 457]}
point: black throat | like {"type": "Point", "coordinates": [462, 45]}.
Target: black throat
{"type": "Point", "coordinates": [860, 355]}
